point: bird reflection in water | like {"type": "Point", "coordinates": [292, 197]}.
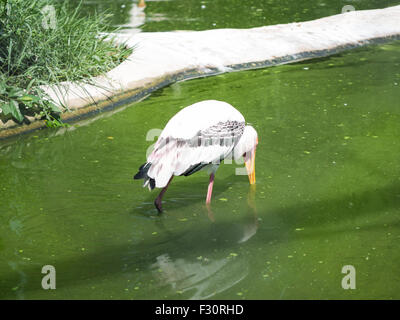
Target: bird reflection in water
{"type": "Point", "coordinates": [137, 17]}
{"type": "Point", "coordinates": [249, 228]}
{"type": "Point", "coordinates": [203, 278]}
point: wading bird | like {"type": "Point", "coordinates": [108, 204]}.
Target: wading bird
{"type": "Point", "coordinates": [199, 137]}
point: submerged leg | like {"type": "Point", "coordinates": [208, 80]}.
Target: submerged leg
{"type": "Point", "coordinates": [210, 187]}
{"type": "Point", "coordinates": [210, 213]}
{"type": "Point", "coordinates": [158, 200]}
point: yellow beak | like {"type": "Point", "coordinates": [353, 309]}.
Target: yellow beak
{"type": "Point", "coordinates": [251, 167]}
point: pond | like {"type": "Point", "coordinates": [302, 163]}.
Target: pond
{"type": "Point", "coordinates": [327, 194]}
{"type": "Point", "coordinates": [169, 15]}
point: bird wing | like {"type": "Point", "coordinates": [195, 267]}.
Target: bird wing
{"type": "Point", "coordinates": [177, 156]}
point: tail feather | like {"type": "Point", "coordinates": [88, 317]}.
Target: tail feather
{"type": "Point", "coordinates": [142, 174]}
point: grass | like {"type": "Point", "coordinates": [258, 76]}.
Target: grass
{"type": "Point", "coordinates": [46, 42]}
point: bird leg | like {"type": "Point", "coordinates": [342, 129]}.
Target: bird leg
{"type": "Point", "coordinates": [210, 213]}
{"type": "Point", "coordinates": [210, 188]}
{"type": "Point", "coordinates": [158, 200]}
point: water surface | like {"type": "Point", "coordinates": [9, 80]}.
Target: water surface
{"type": "Point", "coordinates": [327, 194]}
{"type": "Point", "coordinates": [169, 15]}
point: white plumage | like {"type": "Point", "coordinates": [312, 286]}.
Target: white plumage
{"type": "Point", "coordinates": [178, 155]}
{"type": "Point", "coordinates": [199, 136]}
{"type": "Point", "coordinates": [200, 116]}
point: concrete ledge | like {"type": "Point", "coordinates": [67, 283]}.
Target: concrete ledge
{"type": "Point", "coordinates": [161, 58]}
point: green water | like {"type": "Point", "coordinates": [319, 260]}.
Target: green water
{"type": "Point", "coordinates": [327, 194]}
{"type": "Point", "coordinates": [170, 15]}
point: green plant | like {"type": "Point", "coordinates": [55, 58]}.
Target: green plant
{"type": "Point", "coordinates": [76, 48]}
{"type": "Point", "coordinates": [16, 102]}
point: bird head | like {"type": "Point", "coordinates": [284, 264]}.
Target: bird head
{"type": "Point", "coordinates": [246, 148]}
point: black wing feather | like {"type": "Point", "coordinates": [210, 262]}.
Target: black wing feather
{"type": "Point", "coordinates": [142, 174]}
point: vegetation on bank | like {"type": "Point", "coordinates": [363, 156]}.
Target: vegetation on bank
{"type": "Point", "coordinates": [45, 42]}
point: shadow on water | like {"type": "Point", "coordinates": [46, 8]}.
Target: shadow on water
{"type": "Point", "coordinates": [332, 218]}
{"type": "Point", "coordinates": [187, 257]}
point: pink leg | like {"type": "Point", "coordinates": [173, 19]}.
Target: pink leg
{"type": "Point", "coordinates": [210, 213]}
{"type": "Point", "coordinates": [158, 200]}
{"type": "Point", "coordinates": [210, 187]}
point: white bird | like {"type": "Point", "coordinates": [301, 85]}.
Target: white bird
{"type": "Point", "coordinates": [137, 17]}
{"type": "Point", "coordinates": [199, 137]}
